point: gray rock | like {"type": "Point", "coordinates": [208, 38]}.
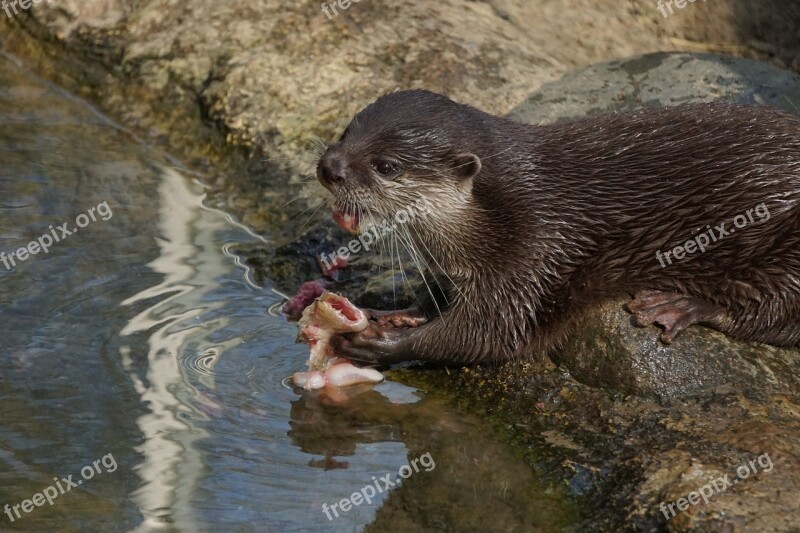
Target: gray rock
{"type": "Point", "coordinates": [661, 79]}
{"type": "Point", "coordinates": [606, 350]}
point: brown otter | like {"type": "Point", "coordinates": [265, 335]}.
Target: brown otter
{"type": "Point", "coordinates": [533, 223]}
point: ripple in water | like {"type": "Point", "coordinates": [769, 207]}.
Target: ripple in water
{"type": "Point", "coordinates": [205, 364]}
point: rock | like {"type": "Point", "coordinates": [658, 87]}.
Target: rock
{"type": "Point", "coordinates": [661, 79]}
{"type": "Point", "coordinates": [247, 90]}
{"type": "Point", "coordinates": [605, 350]}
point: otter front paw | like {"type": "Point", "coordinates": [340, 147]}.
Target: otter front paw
{"type": "Point", "coordinates": [375, 345]}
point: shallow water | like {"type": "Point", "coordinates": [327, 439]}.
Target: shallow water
{"type": "Point", "coordinates": [139, 358]}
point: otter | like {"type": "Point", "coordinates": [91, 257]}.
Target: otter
{"type": "Point", "coordinates": [534, 223]}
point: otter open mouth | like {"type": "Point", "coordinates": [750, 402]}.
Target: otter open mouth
{"type": "Point", "coordinates": [347, 220]}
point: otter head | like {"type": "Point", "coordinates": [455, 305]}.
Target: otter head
{"type": "Point", "coordinates": [406, 151]}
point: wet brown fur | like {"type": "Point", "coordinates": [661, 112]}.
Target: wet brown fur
{"type": "Point", "coordinates": [548, 220]}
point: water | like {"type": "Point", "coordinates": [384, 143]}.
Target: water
{"type": "Point", "coordinates": [138, 358]}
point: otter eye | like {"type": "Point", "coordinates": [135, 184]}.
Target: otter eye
{"type": "Point", "coordinates": [384, 168]}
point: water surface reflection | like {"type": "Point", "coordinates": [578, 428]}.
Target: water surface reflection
{"type": "Point", "coordinates": [142, 336]}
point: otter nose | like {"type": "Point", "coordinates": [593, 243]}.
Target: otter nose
{"type": "Point", "coordinates": [331, 170]}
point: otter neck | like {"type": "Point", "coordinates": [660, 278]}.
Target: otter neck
{"type": "Point", "coordinates": [454, 241]}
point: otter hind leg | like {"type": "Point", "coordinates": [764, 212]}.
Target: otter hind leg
{"type": "Point", "coordinates": [674, 311]}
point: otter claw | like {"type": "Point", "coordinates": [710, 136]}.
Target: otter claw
{"type": "Point", "coordinates": [401, 320]}
{"type": "Point", "coordinates": [406, 318]}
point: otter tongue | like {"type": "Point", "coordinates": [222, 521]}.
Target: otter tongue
{"type": "Point", "coordinates": [347, 221]}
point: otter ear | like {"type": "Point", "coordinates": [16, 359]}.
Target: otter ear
{"type": "Point", "coordinates": [467, 165]}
